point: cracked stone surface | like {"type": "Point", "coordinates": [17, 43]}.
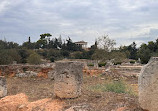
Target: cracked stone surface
{"type": "Point", "coordinates": [3, 86]}
{"type": "Point", "coordinates": [148, 85]}
{"type": "Point", "coordinates": [68, 79]}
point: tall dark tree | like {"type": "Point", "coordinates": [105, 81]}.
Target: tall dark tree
{"type": "Point", "coordinates": [133, 51]}
{"type": "Point", "coordinates": [152, 46]}
{"type": "Point", "coordinates": [72, 46]}
{"type": "Point", "coordinates": [144, 53]}
{"type": "Point", "coordinates": [29, 40]}
{"type": "Point", "coordinates": [29, 44]}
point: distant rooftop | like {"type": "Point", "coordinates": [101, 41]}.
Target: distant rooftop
{"type": "Point", "coordinates": [81, 42]}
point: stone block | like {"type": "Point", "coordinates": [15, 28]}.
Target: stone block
{"type": "Point", "coordinates": [148, 85]}
{"type": "Point", "coordinates": [3, 86]}
{"type": "Point", "coordinates": [68, 79]}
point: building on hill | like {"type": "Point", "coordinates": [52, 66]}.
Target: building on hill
{"type": "Point", "coordinates": [82, 43]}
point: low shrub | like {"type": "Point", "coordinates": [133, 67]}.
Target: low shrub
{"type": "Point", "coordinates": [114, 86]}
{"type": "Point", "coordinates": [132, 62]}
{"type": "Point", "coordinates": [117, 63]}
{"type": "Point", "coordinates": [52, 59]}
{"type": "Point", "coordinates": [101, 64]}
{"type": "Point", "coordinates": [34, 58]}
{"type": "Point", "coordinates": [90, 64]}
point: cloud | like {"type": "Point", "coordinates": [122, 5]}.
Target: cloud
{"type": "Point", "coordinates": [127, 20]}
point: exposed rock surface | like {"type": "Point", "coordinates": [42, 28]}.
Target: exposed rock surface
{"type": "Point", "coordinates": [20, 102]}
{"type": "Point", "coordinates": [68, 79]}
{"type": "Point", "coordinates": [148, 85]}
{"type": "Point", "coordinates": [80, 107]}
{"type": "Point", "coordinates": [27, 74]}
{"type": "Point", "coordinates": [51, 74]}
{"type": "Point", "coordinates": [3, 86]}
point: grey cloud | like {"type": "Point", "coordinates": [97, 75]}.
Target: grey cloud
{"type": "Point", "coordinates": [78, 19]}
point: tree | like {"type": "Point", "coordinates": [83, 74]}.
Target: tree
{"type": "Point", "coordinates": [43, 41]}
{"type": "Point", "coordinates": [101, 54]}
{"type": "Point", "coordinates": [104, 42]}
{"type": "Point", "coordinates": [23, 54]}
{"type": "Point", "coordinates": [117, 56]}
{"type": "Point", "coordinates": [8, 45]}
{"type": "Point", "coordinates": [144, 53]}
{"type": "Point", "coordinates": [152, 46]}
{"type": "Point", "coordinates": [29, 40]}
{"type": "Point", "coordinates": [133, 51]}
{"type": "Point", "coordinates": [94, 47]}
{"type": "Point", "coordinates": [70, 46]}
{"type": "Point", "coordinates": [125, 50]}
{"type": "Point", "coordinates": [28, 44]}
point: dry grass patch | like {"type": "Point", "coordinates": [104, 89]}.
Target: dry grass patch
{"type": "Point", "coordinates": [112, 86]}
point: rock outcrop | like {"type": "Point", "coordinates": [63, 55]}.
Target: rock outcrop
{"type": "Point", "coordinates": [68, 79]}
{"type": "Point", "coordinates": [148, 85]}
{"type": "Point", "coordinates": [3, 86]}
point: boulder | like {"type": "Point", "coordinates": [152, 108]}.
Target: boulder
{"type": "Point", "coordinates": [148, 85]}
{"type": "Point", "coordinates": [68, 79]}
{"type": "Point", "coordinates": [3, 86]}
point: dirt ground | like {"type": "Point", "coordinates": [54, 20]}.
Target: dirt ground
{"type": "Point", "coordinates": [40, 88]}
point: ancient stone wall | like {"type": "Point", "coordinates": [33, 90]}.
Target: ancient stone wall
{"type": "Point", "coordinates": [19, 70]}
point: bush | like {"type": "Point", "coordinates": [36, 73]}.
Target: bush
{"type": "Point", "coordinates": [14, 54]}
{"type": "Point", "coordinates": [76, 55]}
{"type": "Point", "coordinates": [90, 64]}
{"type": "Point", "coordinates": [52, 53]}
{"type": "Point", "coordinates": [101, 64]}
{"type": "Point", "coordinates": [117, 63]}
{"type": "Point", "coordinates": [64, 53]}
{"type": "Point", "coordinates": [52, 59]}
{"type": "Point", "coordinates": [7, 56]}
{"type": "Point", "coordinates": [42, 52]}
{"type": "Point", "coordinates": [114, 86]}
{"type": "Point", "coordinates": [132, 62]}
{"type": "Point", "coordinates": [23, 54]}
{"type": "Point", "coordinates": [34, 58]}
{"type": "Point", "coordinates": [5, 59]}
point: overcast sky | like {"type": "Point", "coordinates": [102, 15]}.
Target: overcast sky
{"type": "Point", "coordinates": [123, 20]}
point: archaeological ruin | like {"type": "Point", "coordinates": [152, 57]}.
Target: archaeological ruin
{"type": "Point", "coordinates": [68, 79]}
{"type": "Point", "coordinates": [148, 85]}
{"type": "Point", "coordinates": [3, 86]}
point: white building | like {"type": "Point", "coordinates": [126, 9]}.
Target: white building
{"type": "Point", "coordinates": [83, 44]}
